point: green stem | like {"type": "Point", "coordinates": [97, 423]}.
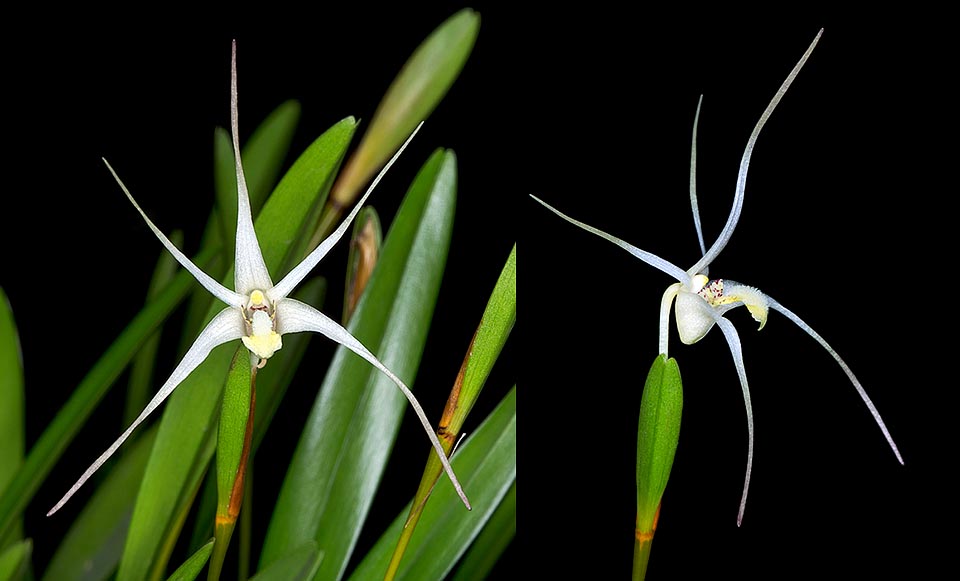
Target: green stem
{"type": "Point", "coordinates": [246, 524]}
{"type": "Point", "coordinates": [641, 548]}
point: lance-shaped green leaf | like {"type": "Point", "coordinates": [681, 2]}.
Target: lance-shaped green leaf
{"type": "Point", "coordinates": [84, 399]}
{"type": "Point", "coordinates": [15, 561]}
{"type": "Point", "coordinates": [185, 441]}
{"type": "Point", "coordinates": [297, 565]}
{"type": "Point", "coordinates": [487, 463]}
{"type": "Point", "coordinates": [422, 83]}
{"type": "Point", "coordinates": [492, 541]}
{"type": "Point", "coordinates": [659, 430]}
{"type": "Point", "coordinates": [141, 371]}
{"type": "Point", "coordinates": [96, 537]}
{"type": "Point", "coordinates": [346, 442]}
{"type": "Point", "coordinates": [488, 340]}
{"type": "Point", "coordinates": [364, 250]}
{"type": "Point", "coordinates": [270, 389]}
{"type": "Point", "coordinates": [191, 567]}
{"type": "Point", "coordinates": [233, 450]}
{"type": "Point", "coordinates": [11, 407]}
{"type": "Point", "coordinates": [263, 156]}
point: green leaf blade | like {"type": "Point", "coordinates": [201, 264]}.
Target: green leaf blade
{"type": "Point", "coordinates": [497, 321]}
{"type": "Point", "coordinates": [191, 568]}
{"type": "Point", "coordinates": [343, 450]}
{"type": "Point", "coordinates": [487, 464]}
{"type": "Point", "coordinates": [12, 408]}
{"type": "Point", "coordinates": [418, 88]}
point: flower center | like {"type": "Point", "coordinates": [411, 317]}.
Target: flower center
{"type": "Point", "coordinates": [262, 339]}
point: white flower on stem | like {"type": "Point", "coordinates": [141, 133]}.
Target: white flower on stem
{"type": "Point", "coordinates": [259, 313]}
{"type": "Point", "coordinates": [702, 302]}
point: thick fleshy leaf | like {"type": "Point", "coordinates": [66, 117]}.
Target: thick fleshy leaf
{"type": "Point", "coordinates": [185, 442]}
{"type": "Point", "coordinates": [418, 88]}
{"type": "Point", "coordinates": [492, 541]}
{"type": "Point", "coordinates": [191, 567]}
{"type": "Point", "coordinates": [141, 370]}
{"type": "Point", "coordinates": [492, 332]}
{"type": "Point", "coordinates": [342, 452]}
{"type": "Point", "coordinates": [60, 432]}
{"type": "Point", "coordinates": [364, 251]}
{"type": "Point", "coordinates": [487, 463]}
{"type": "Point", "coordinates": [96, 537]}
{"type": "Point", "coordinates": [658, 432]}
{"type": "Point", "coordinates": [233, 448]}
{"type": "Point", "coordinates": [15, 560]}
{"type": "Point", "coordinates": [271, 385]}
{"type": "Point", "coordinates": [11, 405]}
{"type": "Point", "coordinates": [297, 565]}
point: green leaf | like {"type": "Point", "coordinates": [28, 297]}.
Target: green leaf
{"type": "Point", "coordinates": [231, 435]}
{"type": "Point", "coordinates": [185, 442]}
{"type": "Point", "coordinates": [299, 564]}
{"type": "Point", "coordinates": [421, 84]}
{"type": "Point", "coordinates": [233, 446]}
{"type": "Point", "coordinates": [141, 371]}
{"type": "Point", "coordinates": [263, 156]}
{"type": "Point", "coordinates": [492, 540]}
{"type": "Point", "coordinates": [658, 432]}
{"type": "Point", "coordinates": [84, 399]}
{"type": "Point", "coordinates": [192, 566]}
{"type": "Point", "coordinates": [271, 386]}
{"type": "Point", "coordinates": [11, 406]}
{"type": "Point", "coordinates": [345, 445]}
{"type": "Point", "coordinates": [15, 561]}
{"type": "Point", "coordinates": [96, 537]}
{"type": "Point", "coordinates": [487, 466]}
{"type": "Point", "coordinates": [495, 326]}
{"type": "Point", "coordinates": [364, 252]}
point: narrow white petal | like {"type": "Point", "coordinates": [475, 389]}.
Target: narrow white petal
{"type": "Point", "coordinates": [250, 272]}
{"type": "Point", "coordinates": [218, 290]}
{"type": "Point", "coordinates": [733, 340]}
{"type": "Point", "coordinates": [651, 259]}
{"type": "Point", "coordinates": [226, 326]}
{"type": "Point", "coordinates": [665, 304]}
{"type": "Point", "coordinates": [734, 217]}
{"type": "Point", "coordinates": [693, 183]}
{"type": "Point", "coordinates": [294, 316]}
{"type": "Point", "coordinates": [853, 379]}
{"type": "Point", "coordinates": [299, 272]}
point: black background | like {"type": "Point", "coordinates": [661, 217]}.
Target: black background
{"type": "Point", "coordinates": [845, 222]}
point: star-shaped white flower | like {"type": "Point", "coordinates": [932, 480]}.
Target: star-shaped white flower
{"type": "Point", "coordinates": [259, 313]}
{"type": "Point", "coordinates": [701, 302]}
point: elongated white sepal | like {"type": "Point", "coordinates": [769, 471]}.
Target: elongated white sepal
{"type": "Point", "coordinates": [218, 290]}
{"type": "Point", "coordinates": [853, 378]}
{"type": "Point", "coordinates": [250, 272]}
{"type": "Point", "coordinates": [226, 326]}
{"type": "Point", "coordinates": [300, 271]}
{"type": "Point", "coordinates": [693, 183]}
{"type": "Point", "coordinates": [733, 340]}
{"type": "Point", "coordinates": [734, 216]}
{"type": "Point", "coordinates": [294, 316]}
{"type": "Point", "coordinates": [651, 259]}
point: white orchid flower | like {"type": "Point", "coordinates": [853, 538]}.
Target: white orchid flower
{"type": "Point", "coordinates": [702, 302]}
{"type": "Point", "coordinates": [259, 312]}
